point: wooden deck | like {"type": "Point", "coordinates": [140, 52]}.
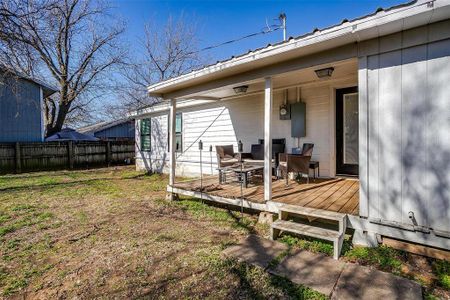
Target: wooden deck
{"type": "Point", "coordinates": [338, 194]}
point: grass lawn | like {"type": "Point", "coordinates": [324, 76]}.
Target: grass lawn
{"type": "Point", "coordinates": [108, 233]}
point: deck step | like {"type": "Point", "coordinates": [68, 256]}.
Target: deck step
{"type": "Point", "coordinates": [312, 212]}
{"type": "Point", "coordinates": [307, 230]}
{"type": "Point", "coordinates": [337, 237]}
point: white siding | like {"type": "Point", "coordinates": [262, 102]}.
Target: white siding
{"type": "Point", "coordinates": [155, 160]}
{"type": "Point", "coordinates": [227, 122]}
{"type": "Point", "coordinates": [409, 140]}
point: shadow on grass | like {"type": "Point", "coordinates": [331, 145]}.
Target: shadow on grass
{"type": "Point", "coordinates": [219, 212]}
{"type": "Point", "coordinates": [70, 183]}
{"type": "Point", "coordinates": [258, 284]}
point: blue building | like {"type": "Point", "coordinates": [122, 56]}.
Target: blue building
{"type": "Point", "coordinates": [21, 108]}
{"type": "Point", "coordinates": [119, 130]}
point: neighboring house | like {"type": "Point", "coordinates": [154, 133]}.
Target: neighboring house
{"type": "Point", "coordinates": [21, 108]}
{"type": "Point", "coordinates": [120, 130]}
{"type": "Point", "coordinates": [377, 97]}
{"type": "Point", "coordinates": [69, 134]}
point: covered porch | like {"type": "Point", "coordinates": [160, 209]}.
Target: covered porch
{"type": "Point", "coordinates": [255, 118]}
{"type": "Point", "coordinates": [347, 83]}
{"type": "Point", "coordinates": [294, 102]}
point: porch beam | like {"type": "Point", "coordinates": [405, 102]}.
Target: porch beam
{"type": "Point", "coordinates": [268, 103]}
{"type": "Point", "coordinates": [335, 56]}
{"type": "Point", "coordinates": [172, 120]}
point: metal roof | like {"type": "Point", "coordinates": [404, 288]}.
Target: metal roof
{"type": "Point", "coordinates": [314, 31]}
{"type": "Point", "coordinates": [102, 125]}
{"type": "Point", "coordinates": [69, 134]}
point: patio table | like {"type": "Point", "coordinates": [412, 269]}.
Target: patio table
{"type": "Point", "coordinates": [242, 173]}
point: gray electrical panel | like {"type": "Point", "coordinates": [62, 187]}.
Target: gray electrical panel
{"type": "Point", "coordinates": [298, 119]}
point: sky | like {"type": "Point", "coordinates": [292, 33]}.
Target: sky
{"type": "Point", "coordinates": [220, 21]}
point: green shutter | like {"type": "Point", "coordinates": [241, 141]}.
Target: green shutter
{"type": "Point", "coordinates": [145, 126]}
{"type": "Point", "coordinates": [146, 143]}
{"type": "Point", "coordinates": [146, 135]}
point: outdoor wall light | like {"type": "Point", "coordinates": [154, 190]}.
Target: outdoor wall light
{"type": "Point", "coordinates": [324, 73]}
{"type": "Point", "coordinates": [240, 147]}
{"type": "Point", "coordinates": [242, 89]}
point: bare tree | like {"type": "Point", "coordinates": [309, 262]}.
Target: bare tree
{"type": "Point", "coordinates": [168, 51]}
{"type": "Point", "coordinates": [73, 42]}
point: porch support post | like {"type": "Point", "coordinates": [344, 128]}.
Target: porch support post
{"type": "Point", "coordinates": [363, 137]}
{"type": "Point", "coordinates": [172, 162]}
{"type": "Point", "coordinates": [268, 99]}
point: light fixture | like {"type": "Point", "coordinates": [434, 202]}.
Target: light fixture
{"type": "Point", "coordinates": [242, 89]}
{"type": "Point", "coordinates": [324, 73]}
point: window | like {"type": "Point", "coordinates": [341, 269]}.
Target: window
{"type": "Point", "coordinates": [178, 133]}
{"type": "Point", "coordinates": [146, 140]}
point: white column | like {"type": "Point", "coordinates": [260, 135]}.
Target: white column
{"type": "Point", "coordinates": [363, 137]}
{"type": "Point", "coordinates": [268, 95]}
{"type": "Point", "coordinates": [172, 120]}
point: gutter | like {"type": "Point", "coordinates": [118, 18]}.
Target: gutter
{"type": "Point", "coordinates": [164, 107]}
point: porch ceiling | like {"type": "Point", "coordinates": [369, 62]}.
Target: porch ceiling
{"type": "Point", "coordinates": [342, 69]}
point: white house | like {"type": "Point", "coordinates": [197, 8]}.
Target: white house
{"type": "Point", "coordinates": [377, 98]}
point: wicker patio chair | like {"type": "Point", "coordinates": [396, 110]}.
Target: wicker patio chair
{"type": "Point", "coordinates": [226, 156]}
{"type": "Point", "coordinates": [295, 162]}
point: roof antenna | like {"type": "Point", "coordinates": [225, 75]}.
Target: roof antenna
{"type": "Point", "coordinates": [282, 18]}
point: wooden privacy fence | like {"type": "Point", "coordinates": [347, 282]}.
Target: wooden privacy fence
{"type": "Point", "coordinates": [26, 157]}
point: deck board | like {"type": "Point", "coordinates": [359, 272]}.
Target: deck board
{"type": "Point", "coordinates": [337, 194]}
{"type": "Point", "coordinates": [322, 197]}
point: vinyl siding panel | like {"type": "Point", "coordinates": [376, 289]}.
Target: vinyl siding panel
{"type": "Point", "coordinates": [20, 112]}
{"type": "Point", "coordinates": [389, 108]}
{"type": "Point", "coordinates": [438, 135]}
{"type": "Point", "coordinates": [409, 140]}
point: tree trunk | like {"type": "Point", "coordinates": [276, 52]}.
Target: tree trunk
{"type": "Point", "coordinates": [58, 124]}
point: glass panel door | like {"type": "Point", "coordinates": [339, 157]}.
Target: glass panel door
{"type": "Point", "coordinates": [350, 126]}
{"type": "Point", "coordinates": [347, 132]}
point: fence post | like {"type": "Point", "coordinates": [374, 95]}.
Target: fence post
{"type": "Point", "coordinates": [18, 158]}
{"type": "Point", "coordinates": [70, 154]}
{"type": "Point", "coordinates": [108, 153]}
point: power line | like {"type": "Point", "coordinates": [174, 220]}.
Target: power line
{"type": "Point", "coordinates": [270, 29]}
{"type": "Point", "coordinates": [267, 29]}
